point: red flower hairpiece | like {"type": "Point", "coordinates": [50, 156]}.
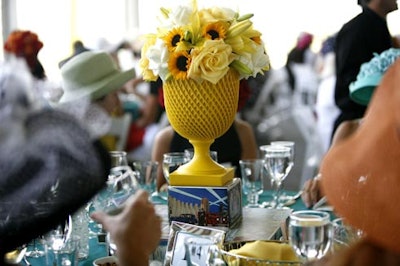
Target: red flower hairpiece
{"type": "Point", "coordinates": [23, 43]}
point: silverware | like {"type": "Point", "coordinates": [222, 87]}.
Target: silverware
{"type": "Point", "coordinates": [320, 203]}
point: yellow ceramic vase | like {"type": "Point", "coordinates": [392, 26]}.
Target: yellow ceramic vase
{"type": "Point", "coordinates": [201, 113]}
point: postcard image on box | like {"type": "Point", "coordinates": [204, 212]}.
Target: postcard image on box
{"type": "Point", "coordinates": [176, 252]}
{"type": "Point", "coordinates": [206, 206]}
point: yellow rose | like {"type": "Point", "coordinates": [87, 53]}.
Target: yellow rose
{"type": "Point", "coordinates": [211, 61]}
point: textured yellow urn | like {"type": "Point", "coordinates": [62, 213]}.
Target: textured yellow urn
{"type": "Point", "coordinates": [201, 112]}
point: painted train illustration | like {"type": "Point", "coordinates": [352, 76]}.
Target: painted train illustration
{"type": "Point", "coordinates": [203, 215]}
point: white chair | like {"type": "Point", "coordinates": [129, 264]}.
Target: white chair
{"type": "Point", "coordinates": [120, 129]}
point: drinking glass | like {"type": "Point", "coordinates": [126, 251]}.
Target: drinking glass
{"type": "Point", "coordinates": [190, 152]}
{"type": "Point", "coordinates": [57, 238]}
{"type": "Point", "coordinates": [291, 145]}
{"type": "Point", "coordinates": [202, 251]}
{"type": "Point", "coordinates": [252, 180]}
{"type": "Point", "coordinates": [310, 234]}
{"type": "Point", "coordinates": [277, 162]}
{"type": "Point", "coordinates": [146, 176]}
{"type": "Point", "coordinates": [121, 181]}
{"type": "Point", "coordinates": [171, 162]}
{"type": "Point", "coordinates": [344, 234]}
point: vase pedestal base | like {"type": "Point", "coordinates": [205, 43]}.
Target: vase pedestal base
{"type": "Point", "coordinates": [207, 206]}
{"type": "Point", "coordinates": [180, 178]}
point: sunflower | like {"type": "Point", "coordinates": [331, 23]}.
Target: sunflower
{"type": "Point", "coordinates": [173, 38]}
{"type": "Point", "coordinates": [179, 63]}
{"type": "Point", "coordinates": [215, 31]}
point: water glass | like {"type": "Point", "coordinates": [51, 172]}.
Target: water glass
{"type": "Point", "coordinates": [146, 175]}
{"type": "Point", "coordinates": [80, 228]}
{"type": "Point", "coordinates": [277, 162]}
{"type": "Point", "coordinates": [190, 152]}
{"type": "Point", "coordinates": [344, 234]}
{"type": "Point", "coordinates": [171, 162]}
{"type": "Point", "coordinates": [118, 158]}
{"type": "Point", "coordinates": [202, 251]}
{"type": "Point", "coordinates": [252, 180]}
{"type": "Point", "coordinates": [310, 234]}
{"type": "Point", "coordinates": [68, 254]}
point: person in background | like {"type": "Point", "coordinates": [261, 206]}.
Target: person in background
{"type": "Point", "coordinates": [91, 81]}
{"type": "Point", "coordinates": [356, 43]}
{"type": "Point", "coordinates": [77, 47]}
{"type": "Point", "coordinates": [26, 44]}
{"type": "Point", "coordinates": [147, 123]}
{"type": "Point", "coordinates": [300, 54]}
{"type": "Point", "coordinates": [325, 107]}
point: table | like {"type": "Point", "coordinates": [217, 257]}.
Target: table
{"type": "Point", "coordinates": [98, 248]}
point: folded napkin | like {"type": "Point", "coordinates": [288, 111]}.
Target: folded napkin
{"type": "Point", "coordinates": [266, 251]}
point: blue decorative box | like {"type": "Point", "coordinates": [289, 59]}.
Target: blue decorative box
{"type": "Point", "coordinates": [206, 206]}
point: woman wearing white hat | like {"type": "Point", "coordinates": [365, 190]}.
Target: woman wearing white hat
{"type": "Point", "coordinates": [91, 81]}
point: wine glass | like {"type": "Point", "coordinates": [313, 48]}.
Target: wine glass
{"type": "Point", "coordinates": [146, 173]}
{"type": "Point", "coordinates": [310, 234]}
{"type": "Point", "coordinates": [121, 181]}
{"type": "Point", "coordinates": [58, 237]}
{"type": "Point", "coordinates": [291, 145]}
{"type": "Point", "coordinates": [190, 152]}
{"type": "Point", "coordinates": [251, 170]}
{"type": "Point", "coordinates": [202, 251]}
{"type": "Point", "coordinates": [277, 162]}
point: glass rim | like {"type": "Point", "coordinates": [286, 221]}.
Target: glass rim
{"type": "Point", "coordinates": [315, 215]}
{"type": "Point", "coordinates": [117, 153]}
{"type": "Point", "coordinates": [274, 148]}
{"type": "Point", "coordinates": [174, 153]}
{"type": "Point", "coordinates": [283, 142]}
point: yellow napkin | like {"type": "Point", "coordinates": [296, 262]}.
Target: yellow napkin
{"type": "Point", "coordinates": [267, 251]}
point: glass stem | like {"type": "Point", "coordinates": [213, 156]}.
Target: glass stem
{"type": "Point", "coordinates": [252, 198]}
{"type": "Point", "coordinates": [277, 195]}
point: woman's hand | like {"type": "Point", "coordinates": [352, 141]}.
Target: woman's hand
{"type": "Point", "coordinates": [312, 191]}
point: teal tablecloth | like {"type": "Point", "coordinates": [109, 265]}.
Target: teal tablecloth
{"type": "Point", "coordinates": [98, 248]}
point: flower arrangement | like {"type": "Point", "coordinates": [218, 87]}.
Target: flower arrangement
{"type": "Point", "coordinates": [203, 44]}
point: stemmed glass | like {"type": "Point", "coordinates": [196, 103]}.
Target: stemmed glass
{"type": "Point", "coordinates": [252, 180]}
{"type": "Point", "coordinates": [58, 237]}
{"type": "Point", "coordinates": [146, 172]}
{"type": "Point", "coordinates": [202, 251]}
{"type": "Point", "coordinates": [121, 181]}
{"type": "Point", "coordinates": [291, 145]}
{"type": "Point", "coordinates": [310, 234]}
{"type": "Point", "coordinates": [277, 162]}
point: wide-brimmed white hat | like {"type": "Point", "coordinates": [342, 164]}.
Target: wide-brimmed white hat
{"type": "Point", "coordinates": [92, 74]}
